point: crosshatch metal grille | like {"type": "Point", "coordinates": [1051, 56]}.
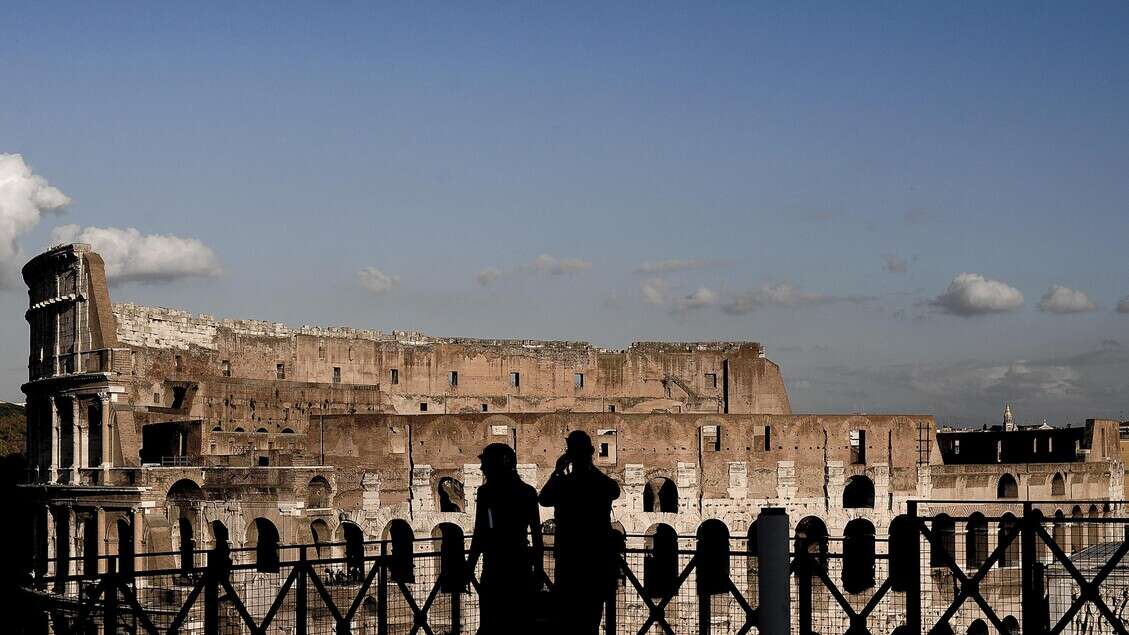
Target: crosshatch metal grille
{"type": "Point", "coordinates": [992, 567]}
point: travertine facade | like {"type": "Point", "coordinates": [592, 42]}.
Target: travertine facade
{"type": "Point", "coordinates": [150, 429]}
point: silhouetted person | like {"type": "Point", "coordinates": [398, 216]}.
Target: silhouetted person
{"type": "Point", "coordinates": [511, 571]}
{"type": "Point", "coordinates": [585, 546]}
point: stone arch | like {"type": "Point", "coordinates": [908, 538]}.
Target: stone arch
{"type": "Point", "coordinates": [858, 493]}
{"type": "Point", "coordinates": [944, 530]}
{"type": "Point", "coordinates": [660, 563]}
{"type": "Point", "coordinates": [321, 535]}
{"type": "Point", "coordinates": [1058, 484]}
{"type": "Point", "coordinates": [353, 536]}
{"type": "Point", "coordinates": [449, 495]}
{"type": "Point", "coordinates": [318, 493]}
{"type": "Point", "coordinates": [712, 551]}
{"type": "Point", "coordinates": [1009, 557]}
{"type": "Point", "coordinates": [660, 495]}
{"type": "Point", "coordinates": [288, 431]}
{"type": "Point", "coordinates": [975, 540]}
{"type": "Point", "coordinates": [858, 555]}
{"type": "Point", "coordinates": [1077, 542]}
{"type": "Point", "coordinates": [263, 536]}
{"type": "Point", "coordinates": [1007, 487]}
{"type": "Point", "coordinates": [811, 538]}
{"type": "Point", "coordinates": [1058, 532]}
{"type": "Point", "coordinates": [452, 560]}
{"type": "Point", "coordinates": [401, 546]}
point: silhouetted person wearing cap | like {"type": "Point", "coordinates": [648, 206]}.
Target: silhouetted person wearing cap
{"type": "Point", "coordinates": [585, 548]}
{"type": "Point", "coordinates": [511, 571]}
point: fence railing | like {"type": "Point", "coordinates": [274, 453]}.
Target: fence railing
{"type": "Point", "coordinates": [975, 568]}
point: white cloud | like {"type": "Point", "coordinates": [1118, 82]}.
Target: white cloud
{"type": "Point", "coordinates": [1123, 306]}
{"type": "Point", "coordinates": [135, 257]}
{"type": "Point", "coordinates": [376, 281]}
{"type": "Point", "coordinates": [972, 294]}
{"type": "Point", "coordinates": [655, 291]}
{"type": "Point", "coordinates": [892, 263]}
{"type": "Point", "coordinates": [700, 298]}
{"type": "Point", "coordinates": [543, 264]}
{"type": "Point", "coordinates": [1060, 299]}
{"type": "Point", "coordinates": [782, 294]}
{"type": "Point", "coordinates": [24, 198]}
{"type": "Point", "coordinates": [676, 264]}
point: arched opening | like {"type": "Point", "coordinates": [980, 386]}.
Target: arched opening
{"type": "Point", "coordinates": [975, 540]}
{"type": "Point", "coordinates": [263, 536]}
{"type": "Point", "coordinates": [811, 538]}
{"type": "Point", "coordinates": [660, 495]}
{"type": "Point", "coordinates": [287, 431]}
{"type": "Point", "coordinates": [261, 430]}
{"type": "Point", "coordinates": [319, 531]}
{"type": "Point", "coordinates": [858, 493]}
{"type": "Point", "coordinates": [450, 495]}
{"type": "Point", "coordinates": [1076, 538]}
{"type": "Point", "coordinates": [125, 546]}
{"type": "Point", "coordinates": [318, 493]}
{"type": "Point", "coordinates": [978, 627]}
{"type": "Point", "coordinates": [1058, 485]}
{"type": "Point", "coordinates": [713, 557]}
{"type": "Point", "coordinates": [1058, 532]}
{"type": "Point", "coordinates": [858, 556]}
{"type": "Point", "coordinates": [401, 543]}
{"type": "Point", "coordinates": [660, 564]}
{"type": "Point", "coordinates": [1093, 528]}
{"type": "Point", "coordinates": [221, 542]}
{"type": "Point", "coordinates": [452, 561]}
{"type": "Point", "coordinates": [187, 544]}
{"type": "Point", "coordinates": [1010, 555]}
{"type": "Point", "coordinates": [1011, 625]}
{"type": "Point", "coordinates": [238, 429]}
{"type": "Point", "coordinates": [354, 539]}
{"type": "Point", "coordinates": [944, 531]}
{"type": "Point", "coordinates": [1006, 487]}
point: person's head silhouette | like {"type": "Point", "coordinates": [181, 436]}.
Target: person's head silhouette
{"type": "Point", "coordinates": [579, 448]}
{"type": "Point", "coordinates": [499, 462]}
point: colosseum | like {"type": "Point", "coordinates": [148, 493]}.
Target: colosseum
{"type": "Point", "coordinates": [154, 430]}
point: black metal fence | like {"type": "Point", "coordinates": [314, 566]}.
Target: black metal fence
{"type": "Point", "coordinates": [973, 568]}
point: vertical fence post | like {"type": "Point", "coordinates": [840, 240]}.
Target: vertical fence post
{"type": "Point", "coordinates": [774, 582]}
{"type": "Point", "coordinates": [110, 599]}
{"type": "Point", "coordinates": [1029, 596]}
{"type": "Point", "coordinates": [456, 612]}
{"type": "Point", "coordinates": [912, 546]}
{"type": "Point", "coordinates": [382, 591]}
{"type": "Point", "coordinates": [300, 599]}
{"type": "Point", "coordinates": [703, 612]}
{"type": "Point", "coordinates": [609, 610]}
{"type": "Point", "coordinates": [211, 591]}
{"type": "Point", "coordinates": [803, 572]}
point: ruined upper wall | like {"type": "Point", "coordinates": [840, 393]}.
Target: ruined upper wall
{"type": "Point", "coordinates": [416, 373]}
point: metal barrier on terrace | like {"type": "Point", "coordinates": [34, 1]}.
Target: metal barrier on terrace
{"type": "Point", "coordinates": [975, 568]}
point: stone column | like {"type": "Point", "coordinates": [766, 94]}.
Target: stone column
{"type": "Point", "coordinates": [103, 539]}
{"type": "Point", "coordinates": [107, 433]}
{"type": "Point", "coordinates": [53, 469]}
{"type": "Point", "coordinates": [76, 441]}
{"type": "Point", "coordinates": [137, 522]}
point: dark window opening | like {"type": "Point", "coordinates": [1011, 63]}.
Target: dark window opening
{"type": "Point", "coordinates": [578, 380]}
{"type": "Point", "coordinates": [280, 371]}
{"type": "Point", "coordinates": [178, 393]}
{"type": "Point", "coordinates": [485, 408]}
{"type": "Point", "coordinates": [453, 378]}
{"type": "Point", "coordinates": [1007, 487]}
{"type": "Point", "coordinates": [661, 495]}
{"type": "Point", "coordinates": [767, 438]}
{"type": "Point", "coordinates": [660, 563]}
{"type": "Point", "coordinates": [515, 380]}
{"type": "Point", "coordinates": [604, 450]}
{"type": "Point", "coordinates": [395, 376]}
{"type": "Point", "coordinates": [611, 407]}
{"type": "Point", "coordinates": [859, 493]}
{"type": "Point", "coordinates": [858, 556]}
{"type": "Point", "coordinates": [423, 406]}
{"type": "Point", "coordinates": [337, 374]}
{"type": "Point", "coordinates": [975, 540]}
{"type": "Point", "coordinates": [225, 368]}
{"type": "Point", "coordinates": [858, 447]}
{"type": "Point", "coordinates": [711, 380]}
{"type": "Point", "coordinates": [944, 530]}
{"type": "Point", "coordinates": [451, 496]}
{"type": "Point", "coordinates": [264, 461]}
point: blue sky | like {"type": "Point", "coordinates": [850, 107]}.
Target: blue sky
{"type": "Point", "coordinates": [788, 155]}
